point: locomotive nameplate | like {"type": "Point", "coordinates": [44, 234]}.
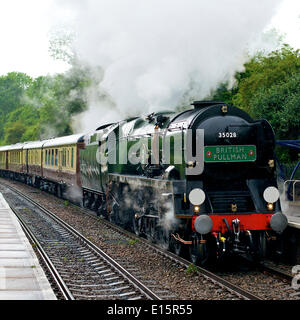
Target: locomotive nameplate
{"type": "Point", "coordinates": [229, 153]}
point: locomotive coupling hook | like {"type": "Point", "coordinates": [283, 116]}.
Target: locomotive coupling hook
{"type": "Point", "coordinates": [248, 233]}
{"type": "Point", "coordinates": [178, 238]}
{"type": "Point", "coordinates": [236, 229]}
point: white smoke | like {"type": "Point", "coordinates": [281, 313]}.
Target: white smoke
{"type": "Point", "coordinates": [155, 52]}
{"type": "Point", "coordinates": [168, 221]}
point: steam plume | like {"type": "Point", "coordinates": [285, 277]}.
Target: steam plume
{"type": "Point", "coordinates": [154, 53]}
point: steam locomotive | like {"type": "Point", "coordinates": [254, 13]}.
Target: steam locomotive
{"type": "Point", "coordinates": [199, 182]}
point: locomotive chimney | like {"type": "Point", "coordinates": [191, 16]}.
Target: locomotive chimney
{"type": "Point", "coordinates": [204, 104]}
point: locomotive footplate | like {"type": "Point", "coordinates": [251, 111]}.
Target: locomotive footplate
{"type": "Point", "coordinates": [251, 221]}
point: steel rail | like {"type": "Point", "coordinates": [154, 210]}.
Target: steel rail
{"type": "Point", "coordinates": [244, 294]}
{"type": "Point", "coordinates": [133, 280]}
{"type": "Point", "coordinates": [276, 272]}
{"type": "Point", "coordinates": [63, 288]}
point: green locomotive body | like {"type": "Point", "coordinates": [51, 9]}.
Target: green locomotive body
{"type": "Point", "coordinates": [140, 173]}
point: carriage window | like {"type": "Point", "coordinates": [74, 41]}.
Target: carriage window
{"type": "Point", "coordinates": [64, 157]}
{"type": "Point", "coordinates": [52, 157]}
{"type": "Point", "coordinates": [72, 158]}
{"type": "Point", "coordinates": [56, 156]}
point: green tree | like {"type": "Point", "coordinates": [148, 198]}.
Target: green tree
{"type": "Point", "coordinates": [280, 104]}
{"type": "Point", "coordinates": [269, 88]}
{"type": "Point", "coordinates": [12, 90]}
{"type": "Point", "coordinates": [14, 133]}
{"type": "Point", "coordinates": [22, 120]}
{"type": "Point", "coordinates": [263, 72]}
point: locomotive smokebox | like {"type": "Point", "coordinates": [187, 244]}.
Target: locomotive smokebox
{"type": "Point", "coordinates": [278, 222]}
{"type": "Point", "coordinates": [203, 224]}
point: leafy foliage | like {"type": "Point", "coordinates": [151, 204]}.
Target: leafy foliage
{"type": "Point", "coordinates": [263, 73]}
{"type": "Point", "coordinates": [12, 89]}
{"type": "Point", "coordinates": [31, 109]}
{"type": "Point", "coordinates": [269, 88]}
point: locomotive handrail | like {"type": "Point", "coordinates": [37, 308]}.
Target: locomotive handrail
{"type": "Point", "coordinates": [293, 190]}
{"type": "Point", "coordinates": [284, 188]}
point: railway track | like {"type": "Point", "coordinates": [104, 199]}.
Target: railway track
{"type": "Point", "coordinates": [231, 283]}
{"type": "Point", "coordinates": [275, 271]}
{"type": "Point", "coordinates": [226, 285]}
{"type": "Point", "coordinates": [61, 289]}
{"type": "Point", "coordinates": [266, 267]}
{"type": "Point", "coordinates": [80, 269]}
{"type": "Point", "coordinates": [90, 249]}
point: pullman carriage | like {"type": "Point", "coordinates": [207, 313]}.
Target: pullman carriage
{"type": "Point", "coordinates": [3, 159]}
{"type": "Point", "coordinates": [15, 164]}
{"type": "Point", "coordinates": [32, 159]}
{"type": "Point", "coordinates": [60, 164]}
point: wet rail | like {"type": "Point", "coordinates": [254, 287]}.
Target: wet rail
{"type": "Point", "coordinates": [81, 269]}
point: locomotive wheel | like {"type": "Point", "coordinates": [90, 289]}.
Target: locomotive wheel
{"type": "Point", "coordinates": [102, 210]}
{"type": "Point", "coordinates": [151, 230]}
{"type": "Point", "coordinates": [86, 200]}
{"type": "Point", "coordinates": [262, 245]}
{"type": "Point", "coordinates": [163, 238]}
{"type": "Point", "coordinates": [137, 226]}
{"type": "Point", "coordinates": [59, 191]}
{"type": "Point", "coordinates": [112, 217]}
{"type": "Point", "coordinates": [176, 247]}
{"type": "Point", "coordinates": [197, 251]}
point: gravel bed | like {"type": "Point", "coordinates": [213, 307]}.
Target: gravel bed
{"type": "Point", "coordinates": [287, 269]}
{"type": "Point", "coordinates": [154, 267]}
{"type": "Point", "coordinates": [71, 258]}
{"type": "Point", "coordinates": [263, 285]}
{"type": "Point", "coordinates": [151, 266]}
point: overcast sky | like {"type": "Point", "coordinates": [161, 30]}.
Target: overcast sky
{"type": "Point", "coordinates": [25, 26]}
